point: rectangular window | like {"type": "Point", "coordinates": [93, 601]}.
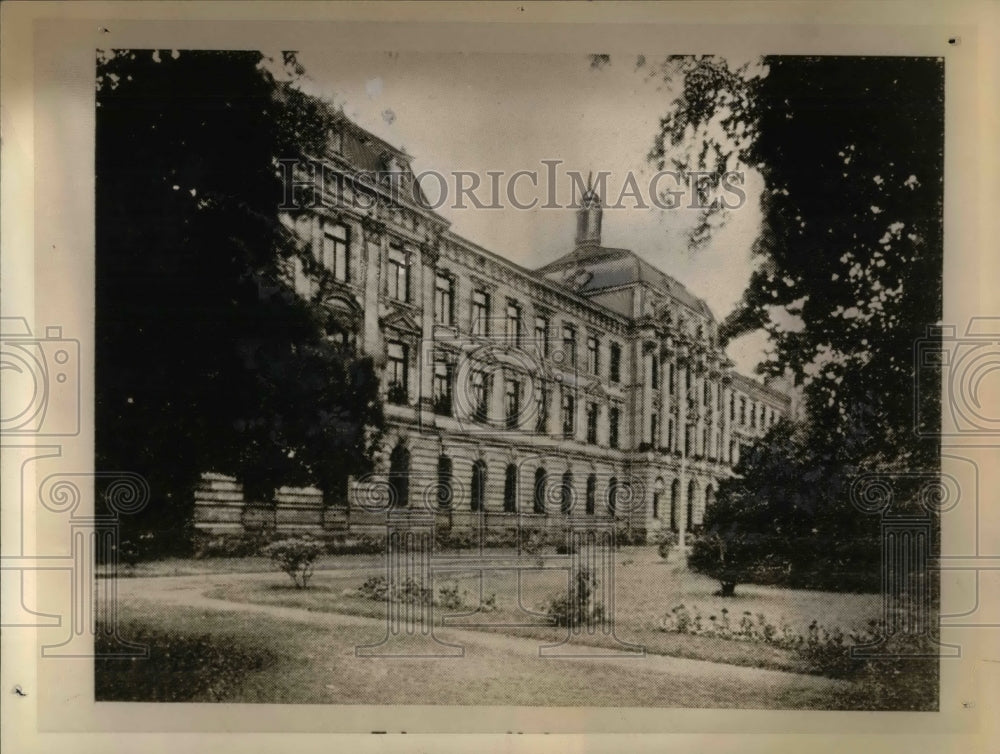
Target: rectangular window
{"type": "Point", "coordinates": [335, 250]}
{"type": "Point", "coordinates": [444, 300]}
{"type": "Point", "coordinates": [542, 419]}
{"type": "Point", "coordinates": [743, 410]}
{"type": "Point", "coordinates": [593, 355]}
{"type": "Point", "coordinates": [616, 363]}
{"type": "Point", "coordinates": [512, 403]}
{"type": "Point", "coordinates": [396, 372]}
{"type": "Point", "coordinates": [568, 413]}
{"type": "Point", "coordinates": [442, 388]}
{"type": "Point", "coordinates": [670, 434]}
{"type": "Point", "coordinates": [613, 419]}
{"type": "Point", "coordinates": [513, 324]}
{"type": "Point", "coordinates": [399, 274]}
{"type": "Point", "coordinates": [480, 395]}
{"type": "Point", "coordinates": [753, 415]}
{"type": "Point", "coordinates": [542, 335]}
{"type": "Point", "coordinates": [671, 379]}
{"type": "Point", "coordinates": [480, 313]}
{"type": "Point", "coordinates": [654, 377]}
{"type": "Point", "coordinates": [654, 426]}
{"type": "Point", "coordinates": [592, 423]}
{"type": "Point", "coordinates": [569, 346]}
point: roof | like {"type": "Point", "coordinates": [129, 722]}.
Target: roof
{"type": "Point", "coordinates": [594, 268]}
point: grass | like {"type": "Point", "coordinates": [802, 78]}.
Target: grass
{"type": "Point", "coordinates": [218, 656]}
{"type": "Point", "coordinates": [274, 663]}
{"type": "Point", "coordinates": [646, 588]}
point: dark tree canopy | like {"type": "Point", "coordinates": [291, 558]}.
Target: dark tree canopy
{"type": "Point", "coordinates": [206, 358]}
{"type": "Point", "coordinates": [850, 250]}
{"type": "Point", "coordinates": [848, 279]}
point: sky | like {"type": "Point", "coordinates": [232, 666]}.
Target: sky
{"type": "Point", "coordinates": [509, 112]}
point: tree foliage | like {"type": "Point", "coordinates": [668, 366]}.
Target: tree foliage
{"type": "Point", "coordinates": [848, 277]}
{"type": "Point", "coordinates": [206, 357]}
{"type": "Point", "coordinates": [787, 517]}
{"type": "Point", "coordinates": [850, 251]}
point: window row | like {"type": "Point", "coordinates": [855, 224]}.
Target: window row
{"type": "Point", "coordinates": [514, 329]}
{"type": "Point", "coordinates": [751, 413]}
{"type": "Point", "coordinates": [548, 493]}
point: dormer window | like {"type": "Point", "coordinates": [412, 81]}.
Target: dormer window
{"type": "Point", "coordinates": [337, 140]}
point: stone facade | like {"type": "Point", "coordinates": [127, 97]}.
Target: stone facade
{"type": "Point", "coordinates": [594, 385]}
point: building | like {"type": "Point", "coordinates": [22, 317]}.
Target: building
{"type": "Point", "coordinates": [593, 385]}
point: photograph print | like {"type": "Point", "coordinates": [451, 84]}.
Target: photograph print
{"type": "Point", "coordinates": [520, 380]}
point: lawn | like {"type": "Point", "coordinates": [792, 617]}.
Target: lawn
{"type": "Point", "coordinates": [646, 588]}
{"type": "Point", "coordinates": [220, 656]}
{"type": "Point", "coordinates": [228, 656]}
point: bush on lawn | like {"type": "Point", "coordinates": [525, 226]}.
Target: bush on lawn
{"type": "Point", "coordinates": [576, 608]}
{"type": "Point", "coordinates": [665, 542]}
{"type": "Point", "coordinates": [295, 556]}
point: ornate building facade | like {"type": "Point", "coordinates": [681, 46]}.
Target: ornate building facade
{"type": "Point", "coordinates": [592, 386]}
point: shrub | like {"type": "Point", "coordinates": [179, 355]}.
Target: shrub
{"type": "Point", "coordinates": [410, 592]}
{"type": "Point", "coordinates": [533, 542]}
{"type": "Point", "coordinates": [626, 537]}
{"type": "Point", "coordinates": [295, 556]}
{"type": "Point", "coordinates": [566, 546]}
{"type": "Point", "coordinates": [230, 545]}
{"type": "Point", "coordinates": [449, 596]}
{"type": "Point", "coordinates": [455, 539]}
{"type": "Point", "coordinates": [375, 588]}
{"type": "Point", "coordinates": [666, 541]}
{"type": "Point", "coordinates": [576, 608]}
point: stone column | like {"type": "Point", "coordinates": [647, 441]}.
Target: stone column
{"type": "Point", "coordinates": [373, 250]}
{"type": "Point", "coordinates": [555, 408]}
{"type": "Point", "coordinates": [682, 402]}
{"type": "Point", "coordinates": [425, 363]}
{"type": "Point", "coordinates": [647, 394]}
{"type": "Point", "coordinates": [713, 408]}
{"type": "Point", "coordinates": [665, 366]}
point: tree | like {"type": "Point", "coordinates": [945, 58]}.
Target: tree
{"type": "Point", "coordinates": [207, 359]}
{"type": "Point", "coordinates": [850, 252]}
{"type": "Point", "coordinates": [786, 518]}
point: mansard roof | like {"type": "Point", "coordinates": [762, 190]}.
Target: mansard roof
{"type": "Point", "coordinates": [596, 268]}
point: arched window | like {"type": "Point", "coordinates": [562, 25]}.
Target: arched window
{"type": "Point", "coordinates": [445, 490]}
{"type": "Point", "coordinates": [478, 485]}
{"type": "Point", "coordinates": [510, 489]}
{"type": "Point", "coordinates": [399, 476]}
{"type": "Point", "coordinates": [541, 481]}
{"type": "Point", "coordinates": [658, 489]}
{"type": "Point", "coordinates": [675, 503]}
{"type": "Point", "coordinates": [566, 494]}
{"type": "Point", "coordinates": [591, 494]}
{"type": "Point", "coordinates": [709, 496]}
{"type": "Point", "coordinates": [612, 495]}
{"type": "Point", "coordinates": [692, 491]}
